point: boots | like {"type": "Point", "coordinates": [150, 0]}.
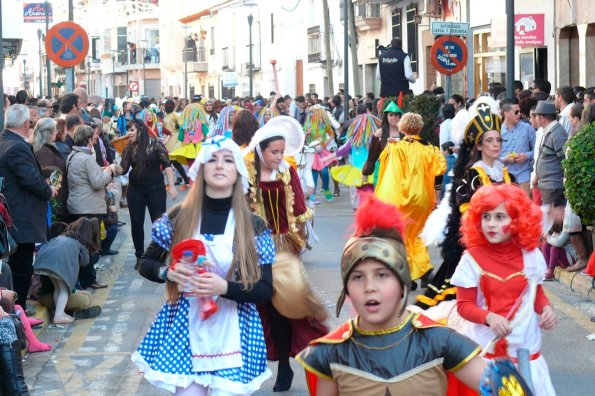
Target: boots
{"type": "Point", "coordinates": [33, 344]}
{"type": "Point", "coordinates": [578, 241]}
{"type": "Point", "coordinates": [12, 379]}
{"type": "Point", "coordinates": [284, 378]}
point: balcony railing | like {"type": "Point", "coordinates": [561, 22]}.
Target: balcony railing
{"type": "Point", "coordinates": [197, 59]}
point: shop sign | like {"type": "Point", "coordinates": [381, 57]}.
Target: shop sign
{"type": "Point", "coordinates": [231, 79]}
{"type": "Point", "coordinates": [529, 30]}
{"type": "Point", "coordinates": [35, 13]}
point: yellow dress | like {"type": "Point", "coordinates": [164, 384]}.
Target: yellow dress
{"type": "Point", "coordinates": [406, 179]}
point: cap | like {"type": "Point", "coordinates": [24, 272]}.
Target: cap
{"type": "Point", "coordinates": [545, 107]}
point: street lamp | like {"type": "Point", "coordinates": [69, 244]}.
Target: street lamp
{"type": "Point", "coordinates": [142, 45]}
{"type": "Point", "coordinates": [250, 19]}
{"type": "Point", "coordinates": [40, 67]}
{"type": "Point", "coordinates": [24, 71]}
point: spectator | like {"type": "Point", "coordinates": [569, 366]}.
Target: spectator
{"type": "Point", "coordinates": [563, 101]}
{"type": "Point", "coordinates": [525, 106]}
{"type": "Point", "coordinates": [448, 112]}
{"type": "Point", "coordinates": [33, 117]}
{"type": "Point", "coordinates": [579, 94]}
{"type": "Point", "coordinates": [244, 125]}
{"type": "Point", "coordinates": [47, 154]}
{"type": "Point", "coordinates": [21, 97]}
{"type": "Point", "coordinates": [60, 143]}
{"type": "Point", "coordinates": [518, 143]}
{"type": "Point", "coordinates": [394, 70]}
{"type": "Point", "coordinates": [124, 117]}
{"type": "Point", "coordinates": [518, 87]}
{"type": "Point", "coordinates": [540, 85]}
{"type": "Point", "coordinates": [548, 168]}
{"type": "Point", "coordinates": [576, 122]}
{"type": "Point", "coordinates": [86, 191]}
{"type": "Point", "coordinates": [457, 101]}
{"type": "Point", "coordinates": [69, 105]}
{"type": "Point", "coordinates": [525, 93]}
{"type": "Point", "coordinates": [72, 121]}
{"type": "Point", "coordinates": [27, 195]}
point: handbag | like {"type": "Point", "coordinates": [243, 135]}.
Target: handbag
{"type": "Point", "coordinates": [7, 243]}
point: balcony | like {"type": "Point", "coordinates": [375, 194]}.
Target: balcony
{"type": "Point", "coordinates": [368, 17]}
{"type": "Point", "coordinates": [246, 68]}
{"type": "Point", "coordinates": [197, 60]}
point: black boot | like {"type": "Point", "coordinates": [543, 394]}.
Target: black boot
{"type": "Point", "coordinates": [284, 378]}
{"type": "Point", "coordinates": [12, 380]}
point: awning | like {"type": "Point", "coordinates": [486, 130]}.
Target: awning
{"type": "Point", "coordinates": [196, 17]}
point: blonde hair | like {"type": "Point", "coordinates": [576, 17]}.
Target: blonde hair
{"type": "Point", "coordinates": [245, 265]}
{"type": "Point", "coordinates": [411, 124]}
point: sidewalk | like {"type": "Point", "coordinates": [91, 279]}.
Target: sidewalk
{"type": "Point", "coordinates": [582, 285]}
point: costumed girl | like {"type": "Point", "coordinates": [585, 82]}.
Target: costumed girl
{"type": "Point", "coordinates": [170, 130]}
{"type": "Point", "coordinates": [389, 129]}
{"type": "Point", "coordinates": [193, 128]}
{"type": "Point", "coordinates": [408, 175]}
{"type": "Point", "coordinates": [266, 114]}
{"type": "Point", "coordinates": [224, 122]}
{"type": "Point", "coordinates": [499, 278]}
{"type": "Point", "coordinates": [224, 354]}
{"type": "Point", "coordinates": [319, 127]}
{"type": "Point", "coordinates": [386, 350]}
{"type": "Point", "coordinates": [292, 318]}
{"type": "Point", "coordinates": [477, 165]}
{"type": "Point", "coordinates": [358, 138]}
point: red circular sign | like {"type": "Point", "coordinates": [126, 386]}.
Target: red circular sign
{"type": "Point", "coordinates": [133, 86]}
{"type": "Point", "coordinates": [449, 54]}
{"type": "Point", "coordinates": [67, 44]}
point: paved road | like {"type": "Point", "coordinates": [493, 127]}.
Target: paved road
{"type": "Point", "coordinates": [92, 357]}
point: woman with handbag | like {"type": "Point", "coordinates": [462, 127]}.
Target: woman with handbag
{"type": "Point", "coordinates": [292, 318]}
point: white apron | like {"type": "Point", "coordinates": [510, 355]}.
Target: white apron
{"type": "Point", "coordinates": [215, 342]}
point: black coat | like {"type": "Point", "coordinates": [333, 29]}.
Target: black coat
{"type": "Point", "coordinates": [25, 190]}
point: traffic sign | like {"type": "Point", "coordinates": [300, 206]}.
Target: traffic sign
{"type": "Point", "coordinates": [449, 54]}
{"type": "Point", "coordinates": [133, 86]}
{"type": "Point", "coordinates": [67, 44]}
{"type": "Point", "coordinates": [440, 28]}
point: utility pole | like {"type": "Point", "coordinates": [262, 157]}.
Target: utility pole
{"type": "Point", "coordinates": [509, 49]}
{"type": "Point", "coordinates": [354, 64]}
{"type": "Point", "coordinates": [70, 70]}
{"type": "Point", "coordinates": [48, 69]}
{"type": "Point", "coordinates": [40, 63]}
{"type": "Point", "coordinates": [346, 60]}
{"type": "Point", "coordinates": [327, 48]}
{"type": "Point", "coordinates": [185, 27]}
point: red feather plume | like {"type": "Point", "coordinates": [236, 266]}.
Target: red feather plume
{"type": "Point", "coordinates": [374, 214]}
{"type": "Point", "coordinates": [400, 100]}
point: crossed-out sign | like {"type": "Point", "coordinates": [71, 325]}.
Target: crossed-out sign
{"type": "Point", "coordinates": [133, 86]}
{"type": "Point", "coordinates": [449, 54]}
{"type": "Point", "coordinates": [67, 44]}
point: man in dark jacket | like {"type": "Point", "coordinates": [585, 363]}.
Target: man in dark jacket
{"type": "Point", "coordinates": [27, 195]}
{"type": "Point", "coordinates": [394, 70]}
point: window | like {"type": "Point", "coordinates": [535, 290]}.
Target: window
{"type": "Point", "coordinates": [122, 44]}
{"type": "Point", "coordinates": [368, 10]}
{"type": "Point", "coordinates": [212, 42]}
{"type": "Point", "coordinates": [314, 44]}
{"type": "Point", "coordinates": [225, 58]}
{"type": "Point", "coordinates": [311, 88]}
{"type": "Point", "coordinates": [396, 23]}
{"type": "Point", "coordinates": [412, 36]}
{"type": "Point", "coordinates": [489, 64]}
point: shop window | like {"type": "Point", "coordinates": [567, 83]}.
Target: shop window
{"type": "Point", "coordinates": [489, 64]}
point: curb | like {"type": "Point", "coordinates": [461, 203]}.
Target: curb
{"type": "Point", "coordinates": [580, 284]}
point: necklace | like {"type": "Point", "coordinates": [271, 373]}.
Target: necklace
{"type": "Point", "coordinates": [382, 348]}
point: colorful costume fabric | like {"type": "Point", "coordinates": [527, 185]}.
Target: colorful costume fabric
{"type": "Point", "coordinates": [510, 289]}
{"type": "Point", "coordinates": [223, 125]}
{"type": "Point", "coordinates": [412, 358]}
{"type": "Point", "coordinates": [193, 130]}
{"type": "Point", "coordinates": [406, 179]}
{"type": "Point", "coordinates": [319, 127]}
{"type": "Point", "coordinates": [174, 352]}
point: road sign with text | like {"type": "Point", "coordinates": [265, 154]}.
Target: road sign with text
{"type": "Point", "coordinates": [449, 54]}
{"type": "Point", "coordinates": [440, 28]}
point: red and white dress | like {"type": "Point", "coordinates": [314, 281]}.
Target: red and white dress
{"type": "Point", "coordinates": [506, 280]}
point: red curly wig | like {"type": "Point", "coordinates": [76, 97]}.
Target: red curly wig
{"type": "Point", "coordinates": [525, 226]}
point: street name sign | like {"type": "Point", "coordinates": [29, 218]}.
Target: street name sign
{"type": "Point", "coordinates": [440, 28]}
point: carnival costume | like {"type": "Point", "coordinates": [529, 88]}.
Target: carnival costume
{"type": "Point", "coordinates": [319, 127]}
{"type": "Point", "coordinates": [192, 131]}
{"type": "Point", "coordinates": [411, 358]}
{"type": "Point", "coordinates": [226, 351]}
{"type": "Point", "coordinates": [292, 319]}
{"type": "Point", "coordinates": [466, 181]}
{"type": "Point", "coordinates": [223, 125]}
{"type": "Point", "coordinates": [506, 279]}
{"type": "Point", "coordinates": [377, 144]}
{"type": "Point", "coordinates": [406, 179]}
{"type": "Point", "coordinates": [261, 115]}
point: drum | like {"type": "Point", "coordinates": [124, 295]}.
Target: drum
{"type": "Point", "coordinates": [120, 143]}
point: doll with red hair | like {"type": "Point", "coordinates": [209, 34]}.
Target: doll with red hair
{"type": "Point", "coordinates": [499, 278]}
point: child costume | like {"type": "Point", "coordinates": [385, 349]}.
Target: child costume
{"type": "Point", "coordinates": [414, 357]}
{"type": "Point", "coordinates": [226, 351]}
{"type": "Point", "coordinates": [193, 130]}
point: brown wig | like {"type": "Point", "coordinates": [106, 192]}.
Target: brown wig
{"type": "Point", "coordinates": [86, 231]}
{"type": "Point", "coordinates": [245, 267]}
{"type": "Point", "coordinates": [244, 127]}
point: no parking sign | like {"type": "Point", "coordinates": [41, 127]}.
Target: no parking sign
{"type": "Point", "coordinates": [449, 54]}
{"type": "Point", "coordinates": [67, 44]}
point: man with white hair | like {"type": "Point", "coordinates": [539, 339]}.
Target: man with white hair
{"type": "Point", "coordinates": [83, 103]}
{"type": "Point", "coordinates": [27, 195]}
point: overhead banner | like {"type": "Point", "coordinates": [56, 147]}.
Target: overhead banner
{"type": "Point", "coordinates": [35, 13]}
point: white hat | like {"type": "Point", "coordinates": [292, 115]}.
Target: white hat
{"type": "Point", "coordinates": [211, 146]}
{"type": "Point", "coordinates": [286, 127]}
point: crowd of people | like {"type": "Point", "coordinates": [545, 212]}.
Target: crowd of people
{"type": "Point", "coordinates": [250, 167]}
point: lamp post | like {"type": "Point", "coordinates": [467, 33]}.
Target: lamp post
{"type": "Point", "coordinates": [24, 72]}
{"type": "Point", "coordinates": [250, 19]}
{"type": "Point", "coordinates": [48, 69]}
{"type": "Point", "coordinates": [89, 75]}
{"type": "Point", "coordinates": [142, 45]}
{"type": "Point", "coordinates": [40, 67]}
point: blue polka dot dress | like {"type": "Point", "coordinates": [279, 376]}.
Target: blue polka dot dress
{"type": "Point", "coordinates": [164, 355]}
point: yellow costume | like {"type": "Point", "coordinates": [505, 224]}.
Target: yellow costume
{"type": "Point", "coordinates": [406, 179]}
{"type": "Point", "coordinates": [169, 122]}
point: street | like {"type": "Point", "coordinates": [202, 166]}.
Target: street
{"type": "Point", "coordinates": [92, 357]}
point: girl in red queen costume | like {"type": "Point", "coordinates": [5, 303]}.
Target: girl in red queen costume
{"type": "Point", "coordinates": [499, 278]}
